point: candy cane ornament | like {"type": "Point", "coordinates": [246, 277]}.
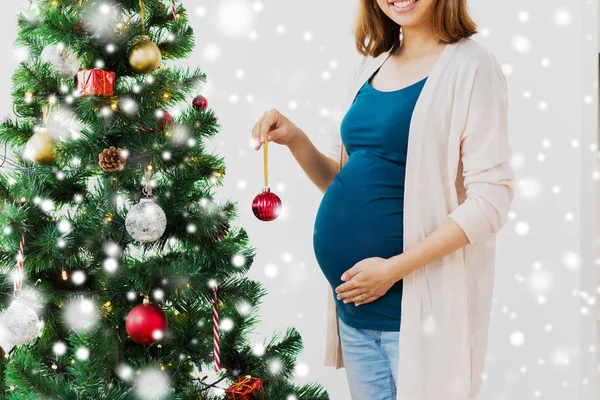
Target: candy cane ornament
{"type": "Point", "coordinates": [18, 279]}
{"type": "Point", "coordinates": [174, 10]}
{"type": "Point", "coordinates": [216, 330]}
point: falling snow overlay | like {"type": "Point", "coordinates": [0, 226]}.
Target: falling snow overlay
{"type": "Point", "coordinates": [297, 57]}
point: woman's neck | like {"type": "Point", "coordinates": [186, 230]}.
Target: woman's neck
{"type": "Point", "coordinates": [417, 41]}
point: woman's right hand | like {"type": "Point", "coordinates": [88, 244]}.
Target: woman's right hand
{"type": "Point", "coordinates": [276, 127]}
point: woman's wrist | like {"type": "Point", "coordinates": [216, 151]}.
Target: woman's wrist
{"type": "Point", "coordinates": [297, 140]}
{"type": "Point", "coordinates": [401, 265]}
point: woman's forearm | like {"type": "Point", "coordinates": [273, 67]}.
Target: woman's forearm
{"type": "Point", "coordinates": [447, 238]}
{"type": "Point", "coordinates": [319, 168]}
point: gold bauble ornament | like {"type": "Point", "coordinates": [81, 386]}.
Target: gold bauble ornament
{"type": "Point", "coordinates": [40, 148]}
{"type": "Point", "coordinates": [145, 56]}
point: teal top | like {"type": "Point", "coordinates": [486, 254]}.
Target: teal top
{"type": "Point", "coordinates": [361, 213]}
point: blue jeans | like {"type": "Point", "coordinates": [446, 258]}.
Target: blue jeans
{"type": "Point", "coordinates": [371, 362]}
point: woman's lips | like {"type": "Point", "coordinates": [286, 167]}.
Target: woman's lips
{"type": "Point", "coordinates": [403, 9]}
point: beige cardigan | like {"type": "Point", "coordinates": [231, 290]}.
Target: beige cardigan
{"type": "Point", "coordinates": [458, 167]}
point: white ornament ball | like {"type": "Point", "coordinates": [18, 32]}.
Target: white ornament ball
{"type": "Point", "coordinates": [19, 324]}
{"type": "Point", "coordinates": [62, 58]}
{"type": "Point", "coordinates": [146, 221]}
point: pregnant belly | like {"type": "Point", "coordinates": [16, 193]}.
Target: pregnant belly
{"type": "Point", "coordinates": [357, 219]}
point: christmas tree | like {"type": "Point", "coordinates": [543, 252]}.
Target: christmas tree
{"type": "Point", "coordinates": [121, 276]}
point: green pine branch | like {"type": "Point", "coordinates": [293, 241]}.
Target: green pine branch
{"type": "Point", "coordinates": [69, 212]}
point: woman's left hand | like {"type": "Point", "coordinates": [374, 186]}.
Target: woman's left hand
{"type": "Point", "coordinates": [366, 281]}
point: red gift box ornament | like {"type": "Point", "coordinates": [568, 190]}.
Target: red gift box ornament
{"type": "Point", "coordinates": [244, 388]}
{"type": "Point", "coordinates": [96, 82]}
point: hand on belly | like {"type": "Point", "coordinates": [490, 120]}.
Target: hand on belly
{"type": "Point", "coordinates": [366, 281]}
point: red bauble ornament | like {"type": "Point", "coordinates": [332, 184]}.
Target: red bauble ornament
{"type": "Point", "coordinates": [267, 205]}
{"type": "Point", "coordinates": [146, 323]}
{"type": "Point", "coordinates": [163, 124]}
{"type": "Point", "coordinates": [200, 103]}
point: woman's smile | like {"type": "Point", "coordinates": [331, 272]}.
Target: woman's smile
{"type": "Point", "coordinates": [403, 6]}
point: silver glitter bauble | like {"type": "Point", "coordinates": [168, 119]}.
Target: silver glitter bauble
{"type": "Point", "coordinates": [146, 221]}
{"type": "Point", "coordinates": [19, 324]}
{"type": "Point", "coordinates": [62, 58]}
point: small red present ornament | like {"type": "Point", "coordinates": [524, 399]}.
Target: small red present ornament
{"type": "Point", "coordinates": [244, 388]}
{"type": "Point", "coordinates": [95, 82]}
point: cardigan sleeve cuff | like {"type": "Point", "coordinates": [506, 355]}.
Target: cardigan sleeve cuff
{"type": "Point", "coordinates": [472, 220]}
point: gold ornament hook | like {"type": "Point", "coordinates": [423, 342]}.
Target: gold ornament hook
{"type": "Point", "coordinates": [45, 107]}
{"type": "Point", "coordinates": [147, 188]}
{"type": "Point", "coordinates": [266, 161]}
{"type": "Point", "coordinates": [142, 15]}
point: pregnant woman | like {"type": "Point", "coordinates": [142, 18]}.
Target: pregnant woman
{"type": "Point", "coordinates": [416, 184]}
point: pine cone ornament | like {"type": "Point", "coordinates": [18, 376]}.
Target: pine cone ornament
{"type": "Point", "coordinates": [80, 27]}
{"type": "Point", "coordinates": [223, 229]}
{"type": "Point", "coordinates": [111, 159]}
